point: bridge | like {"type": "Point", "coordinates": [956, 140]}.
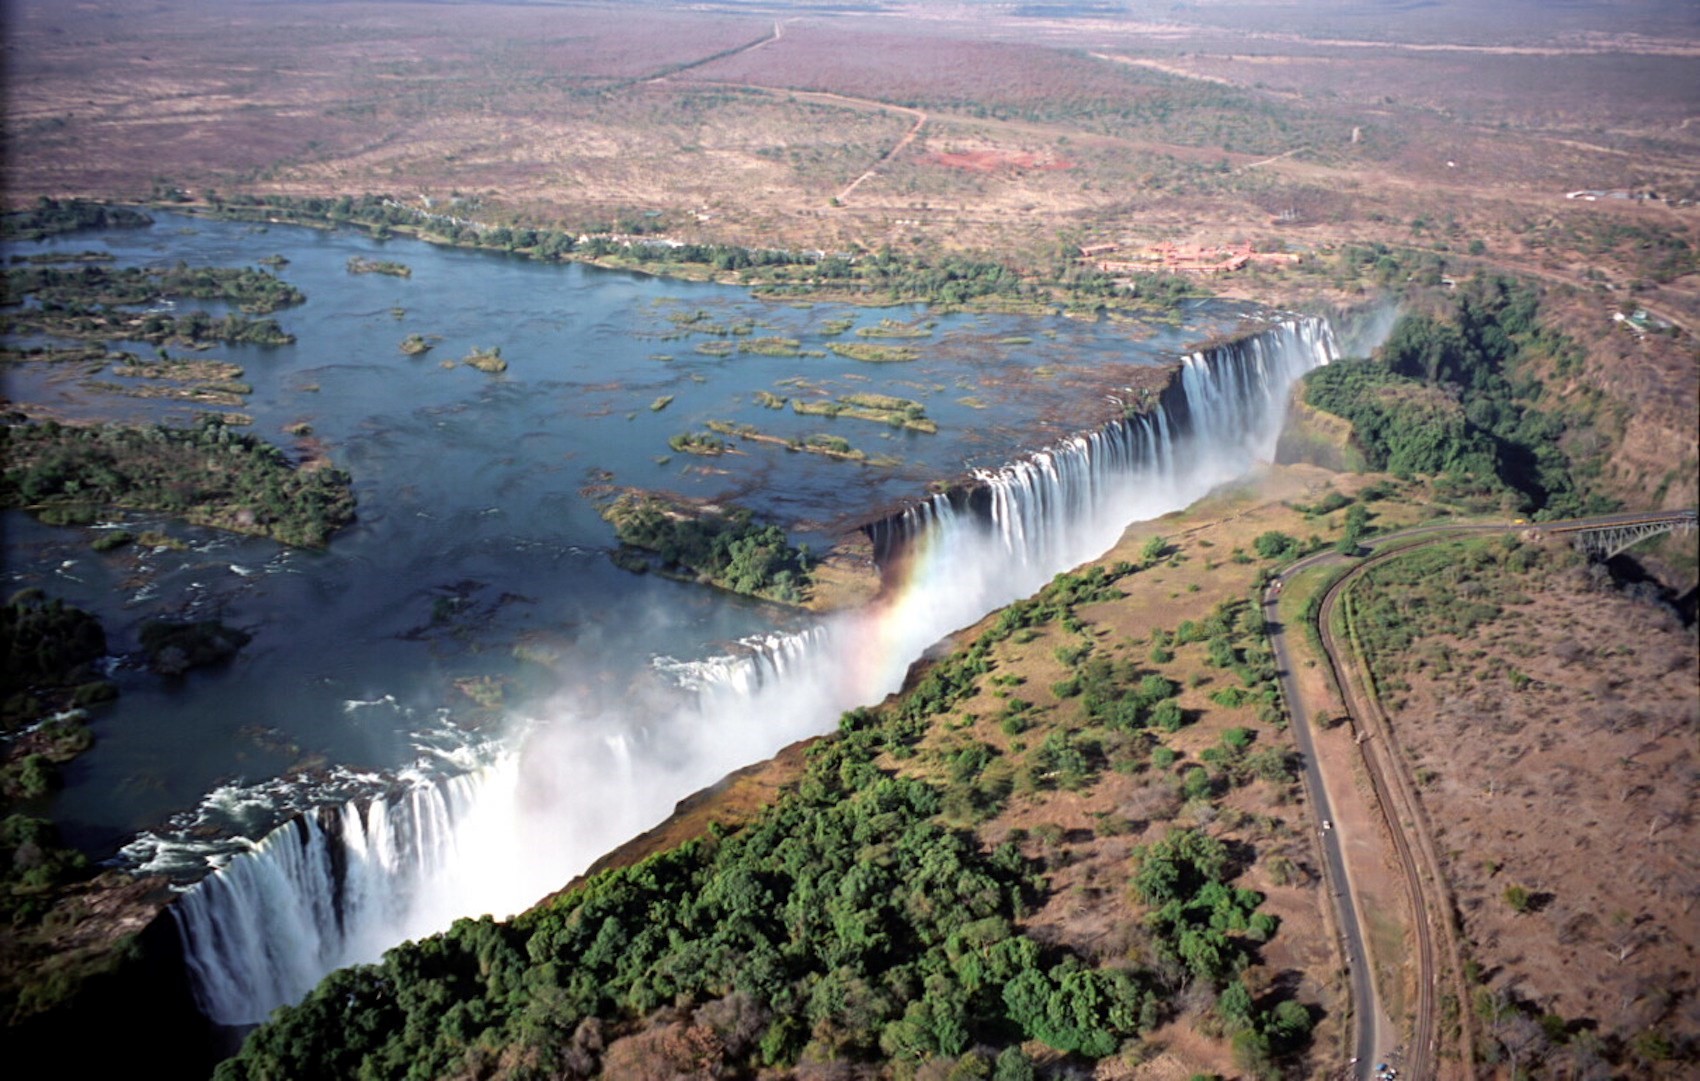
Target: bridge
{"type": "Point", "coordinates": [1611, 535]}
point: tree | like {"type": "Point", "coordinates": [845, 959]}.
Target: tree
{"type": "Point", "coordinates": [1522, 1037]}
{"type": "Point", "coordinates": [1252, 1052]}
{"type": "Point", "coordinates": [1357, 521]}
{"type": "Point", "coordinates": [1235, 1005]}
{"type": "Point", "coordinates": [1275, 545]}
{"type": "Point", "coordinates": [1013, 1065]}
{"type": "Point", "coordinates": [1288, 1025]}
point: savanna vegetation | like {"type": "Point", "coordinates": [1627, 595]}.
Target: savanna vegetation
{"type": "Point", "coordinates": [1439, 590]}
{"type": "Point", "coordinates": [208, 475]}
{"type": "Point", "coordinates": [1491, 657]}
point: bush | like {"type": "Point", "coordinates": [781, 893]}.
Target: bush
{"type": "Point", "coordinates": [1275, 545]}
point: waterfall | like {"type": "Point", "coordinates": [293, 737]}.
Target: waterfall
{"type": "Point", "coordinates": [338, 886]}
{"type": "Point", "coordinates": [761, 660]}
{"type": "Point", "coordinates": [1225, 410]}
{"type": "Point", "coordinates": [321, 891]}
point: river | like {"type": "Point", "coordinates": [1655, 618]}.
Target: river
{"type": "Point", "coordinates": [478, 554]}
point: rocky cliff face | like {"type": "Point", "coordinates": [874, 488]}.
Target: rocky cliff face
{"type": "Point", "coordinates": [99, 980]}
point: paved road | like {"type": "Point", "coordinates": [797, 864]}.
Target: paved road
{"type": "Point", "coordinates": [1372, 1043]}
{"type": "Point", "coordinates": [1366, 1004]}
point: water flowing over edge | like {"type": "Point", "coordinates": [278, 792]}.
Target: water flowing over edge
{"type": "Point", "coordinates": [338, 885]}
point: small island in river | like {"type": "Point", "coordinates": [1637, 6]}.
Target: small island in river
{"type": "Point", "coordinates": [208, 475]}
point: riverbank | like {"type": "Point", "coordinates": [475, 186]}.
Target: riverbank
{"type": "Point", "coordinates": [958, 283]}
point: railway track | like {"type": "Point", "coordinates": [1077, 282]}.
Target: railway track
{"type": "Point", "coordinates": [1408, 829]}
{"type": "Point", "coordinates": [1431, 909]}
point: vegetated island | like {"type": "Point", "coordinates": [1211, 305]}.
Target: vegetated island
{"type": "Point", "coordinates": [824, 444]}
{"type": "Point", "coordinates": [174, 647]}
{"type": "Point", "coordinates": [101, 323]}
{"type": "Point", "coordinates": [873, 353]}
{"type": "Point", "coordinates": [360, 265]}
{"type": "Point", "coordinates": [257, 292]}
{"type": "Point", "coordinates": [96, 302]}
{"type": "Point", "coordinates": [903, 413]}
{"type": "Point", "coordinates": [700, 443]}
{"type": "Point", "coordinates": [702, 542]}
{"type": "Point", "coordinates": [53, 217]}
{"type": "Point", "coordinates": [415, 345]}
{"type": "Point", "coordinates": [209, 475]}
{"type": "Point", "coordinates": [892, 328]}
{"type": "Point", "coordinates": [203, 381]}
{"type": "Point", "coordinates": [486, 360]}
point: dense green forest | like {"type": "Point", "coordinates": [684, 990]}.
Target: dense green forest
{"type": "Point", "coordinates": [255, 291]}
{"type": "Point", "coordinates": [1459, 395]}
{"type": "Point", "coordinates": [209, 475]}
{"type": "Point", "coordinates": [852, 921]}
{"type": "Point", "coordinates": [729, 550]}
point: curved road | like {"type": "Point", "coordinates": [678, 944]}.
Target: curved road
{"type": "Point", "coordinates": [1396, 797]}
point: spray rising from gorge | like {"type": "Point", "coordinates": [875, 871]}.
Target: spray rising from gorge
{"type": "Point", "coordinates": [339, 885]}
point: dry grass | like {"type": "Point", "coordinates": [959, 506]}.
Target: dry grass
{"type": "Point", "coordinates": [1555, 751]}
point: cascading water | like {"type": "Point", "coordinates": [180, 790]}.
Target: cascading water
{"type": "Point", "coordinates": [336, 888]}
{"type": "Point", "coordinates": [1224, 414]}
{"type": "Point", "coordinates": [765, 658]}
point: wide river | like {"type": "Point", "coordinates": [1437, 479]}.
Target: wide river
{"type": "Point", "coordinates": [478, 551]}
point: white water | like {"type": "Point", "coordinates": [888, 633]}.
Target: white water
{"type": "Point", "coordinates": [317, 895]}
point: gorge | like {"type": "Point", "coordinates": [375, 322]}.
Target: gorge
{"type": "Point", "coordinates": [339, 884]}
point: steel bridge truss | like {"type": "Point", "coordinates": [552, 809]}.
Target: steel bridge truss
{"type": "Point", "coordinates": [1606, 541]}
